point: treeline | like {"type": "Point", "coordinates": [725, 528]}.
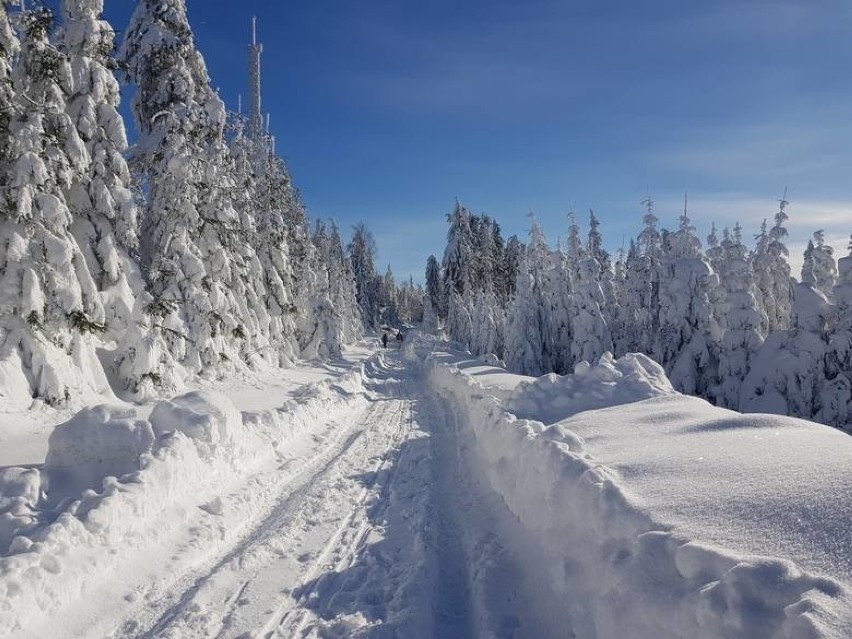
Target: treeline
{"type": "Point", "coordinates": [728, 323]}
{"type": "Point", "coordinates": [195, 257]}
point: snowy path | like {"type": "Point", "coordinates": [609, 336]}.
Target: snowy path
{"type": "Point", "coordinates": [370, 530]}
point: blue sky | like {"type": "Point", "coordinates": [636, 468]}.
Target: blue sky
{"type": "Point", "coordinates": [388, 110]}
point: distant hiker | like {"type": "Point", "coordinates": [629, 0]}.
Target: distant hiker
{"type": "Point", "coordinates": [385, 340]}
{"type": "Point", "coordinates": [399, 338]}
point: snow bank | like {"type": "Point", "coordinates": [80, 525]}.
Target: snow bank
{"type": "Point", "coordinates": [119, 484]}
{"type": "Point", "coordinates": [610, 382]}
{"type": "Point", "coordinates": [612, 565]}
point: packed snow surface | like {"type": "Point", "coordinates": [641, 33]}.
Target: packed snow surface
{"type": "Point", "coordinates": [423, 493]}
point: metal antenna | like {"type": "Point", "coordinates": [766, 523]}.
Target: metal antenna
{"type": "Point", "coordinates": [255, 116]}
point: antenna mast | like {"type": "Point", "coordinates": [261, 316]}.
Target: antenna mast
{"type": "Point", "coordinates": [255, 116]}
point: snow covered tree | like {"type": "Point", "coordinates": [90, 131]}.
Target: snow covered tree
{"type": "Point", "coordinates": [650, 243]}
{"type": "Point", "coordinates": [430, 318]}
{"type": "Point", "coordinates": [742, 320]}
{"type": "Point", "coordinates": [272, 197]}
{"type": "Point", "coordinates": [620, 319]}
{"type": "Point", "coordinates": [511, 268]}
{"type": "Point", "coordinates": [574, 249]}
{"type": "Point", "coordinates": [410, 302]}
{"type": "Point", "coordinates": [558, 308]}
{"type": "Point", "coordinates": [9, 47]}
{"type": "Point", "coordinates": [590, 333]}
{"type": "Point", "coordinates": [825, 268]}
{"type": "Point", "coordinates": [194, 250]}
{"type": "Point", "coordinates": [456, 265]}
{"type": "Point", "coordinates": [362, 255]}
{"type": "Point", "coordinates": [688, 336]}
{"type": "Point", "coordinates": [388, 298]}
{"type": "Point", "coordinates": [837, 396]}
{"type": "Point", "coordinates": [778, 305]}
{"type": "Point", "coordinates": [101, 200]}
{"type": "Point", "coordinates": [761, 265]}
{"type": "Point", "coordinates": [322, 330]}
{"type": "Point", "coordinates": [459, 324]}
{"type": "Point", "coordinates": [342, 283]}
{"type": "Point", "coordinates": [788, 376]}
{"type": "Point", "coordinates": [434, 288]}
{"type": "Point", "coordinates": [638, 334]}
{"type": "Point", "coordinates": [487, 321]}
{"type": "Point", "coordinates": [49, 302]}
{"type": "Point", "coordinates": [597, 252]}
{"type": "Point", "coordinates": [526, 326]}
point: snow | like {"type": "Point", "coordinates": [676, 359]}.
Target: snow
{"type": "Point", "coordinates": [421, 492]}
{"type": "Point", "coordinates": [665, 516]}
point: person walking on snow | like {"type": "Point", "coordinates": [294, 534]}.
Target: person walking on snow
{"type": "Point", "coordinates": [385, 340]}
{"type": "Point", "coordinates": [399, 339]}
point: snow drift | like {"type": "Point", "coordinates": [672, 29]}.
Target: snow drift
{"type": "Point", "coordinates": [616, 562]}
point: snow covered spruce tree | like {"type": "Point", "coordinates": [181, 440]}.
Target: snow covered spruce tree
{"type": "Point", "coordinates": [773, 273]}
{"type": "Point", "coordinates": [324, 336]}
{"type": "Point", "coordinates": [101, 200]}
{"type": "Point", "coordinates": [343, 294]}
{"type": "Point", "coordinates": [648, 267]}
{"type": "Point", "coordinates": [558, 304]}
{"type": "Point", "coordinates": [51, 309]}
{"type": "Point", "coordinates": [524, 350]}
{"type": "Point", "coordinates": [788, 376]}
{"type": "Point", "coordinates": [825, 267]}
{"type": "Point", "coordinates": [434, 289]}
{"type": "Point", "coordinates": [837, 404]}
{"type": "Point", "coordinates": [429, 323]}
{"type": "Point", "coordinates": [388, 298]}
{"type": "Point", "coordinates": [597, 252]}
{"type": "Point", "coordinates": [457, 264]}
{"type": "Point", "coordinates": [742, 320]}
{"type": "Point", "coordinates": [9, 47]}
{"type": "Point", "coordinates": [362, 254]}
{"type": "Point", "coordinates": [621, 315]}
{"type": "Point", "coordinates": [591, 336]}
{"type": "Point", "coordinates": [688, 339]}
{"type": "Point", "coordinates": [261, 195]}
{"type": "Point", "coordinates": [194, 252]}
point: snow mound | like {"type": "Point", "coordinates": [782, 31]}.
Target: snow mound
{"type": "Point", "coordinates": [210, 419]}
{"type": "Point", "coordinates": [97, 442]}
{"type": "Point", "coordinates": [610, 382]}
{"type": "Point", "coordinates": [20, 489]}
{"type": "Point", "coordinates": [609, 565]}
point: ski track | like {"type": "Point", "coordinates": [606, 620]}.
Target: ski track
{"type": "Point", "coordinates": [368, 537]}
